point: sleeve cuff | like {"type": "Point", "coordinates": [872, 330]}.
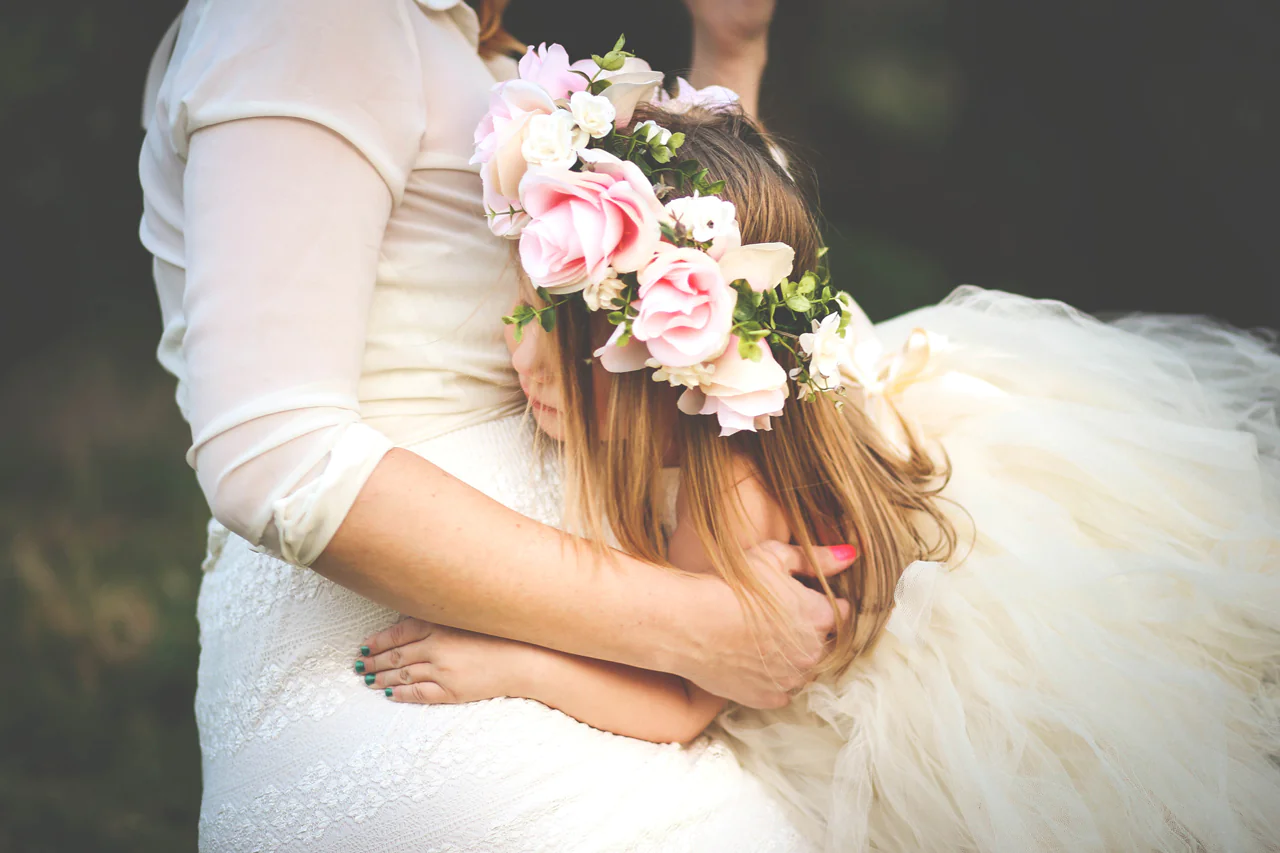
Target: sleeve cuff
{"type": "Point", "coordinates": [306, 519]}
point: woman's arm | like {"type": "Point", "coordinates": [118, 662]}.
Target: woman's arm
{"type": "Point", "coordinates": [450, 666]}
{"type": "Point", "coordinates": [284, 222]}
{"type": "Point", "coordinates": [731, 46]}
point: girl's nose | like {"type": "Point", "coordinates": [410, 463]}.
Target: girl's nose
{"type": "Point", "coordinates": [527, 356]}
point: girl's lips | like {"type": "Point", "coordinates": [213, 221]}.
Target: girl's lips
{"type": "Point", "coordinates": [542, 407]}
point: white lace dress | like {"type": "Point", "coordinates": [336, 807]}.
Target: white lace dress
{"type": "Point", "coordinates": [329, 289]}
{"type": "Point", "coordinates": [300, 755]}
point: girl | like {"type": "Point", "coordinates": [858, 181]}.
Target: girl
{"type": "Point", "coordinates": [1064, 632]}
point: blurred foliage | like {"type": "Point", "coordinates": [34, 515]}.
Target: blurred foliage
{"type": "Point", "coordinates": [1116, 155]}
{"type": "Point", "coordinates": [101, 533]}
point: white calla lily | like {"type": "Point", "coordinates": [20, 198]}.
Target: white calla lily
{"type": "Point", "coordinates": [763, 265]}
{"type": "Point", "coordinates": [628, 90]}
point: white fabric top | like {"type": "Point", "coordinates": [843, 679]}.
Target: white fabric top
{"type": "Point", "coordinates": [327, 282]}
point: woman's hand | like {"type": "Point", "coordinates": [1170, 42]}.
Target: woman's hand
{"type": "Point", "coordinates": [731, 45]}
{"type": "Point", "coordinates": [760, 665]}
{"type": "Point", "coordinates": [718, 649]}
{"type": "Point", "coordinates": [428, 664]}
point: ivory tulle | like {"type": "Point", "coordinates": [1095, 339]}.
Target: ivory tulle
{"type": "Point", "coordinates": [1098, 671]}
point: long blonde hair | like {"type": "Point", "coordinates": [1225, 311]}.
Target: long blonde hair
{"type": "Point", "coordinates": [834, 476]}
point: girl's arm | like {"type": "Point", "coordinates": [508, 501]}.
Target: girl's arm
{"type": "Point", "coordinates": [452, 666]}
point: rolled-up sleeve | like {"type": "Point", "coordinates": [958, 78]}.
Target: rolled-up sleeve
{"type": "Point", "coordinates": [299, 128]}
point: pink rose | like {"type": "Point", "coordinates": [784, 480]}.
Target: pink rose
{"type": "Point", "coordinates": [499, 139]}
{"type": "Point", "coordinates": [685, 305]}
{"type": "Point", "coordinates": [742, 394]}
{"type": "Point", "coordinates": [549, 68]}
{"type": "Point", "coordinates": [586, 226]}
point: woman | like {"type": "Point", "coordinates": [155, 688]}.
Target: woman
{"type": "Point", "coordinates": [328, 288]}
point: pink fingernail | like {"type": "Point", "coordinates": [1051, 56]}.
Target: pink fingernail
{"type": "Point", "coordinates": [844, 553]}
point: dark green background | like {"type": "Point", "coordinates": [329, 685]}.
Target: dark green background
{"type": "Point", "coordinates": [1118, 155]}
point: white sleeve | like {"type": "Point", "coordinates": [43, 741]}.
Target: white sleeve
{"type": "Point", "coordinates": [284, 216]}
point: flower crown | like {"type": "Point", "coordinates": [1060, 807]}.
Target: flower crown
{"type": "Point", "coordinates": [687, 299]}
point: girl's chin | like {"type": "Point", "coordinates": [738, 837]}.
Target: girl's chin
{"type": "Point", "coordinates": [548, 420]}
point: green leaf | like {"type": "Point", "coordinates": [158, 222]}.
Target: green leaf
{"type": "Point", "coordinates": [618, 302]}
{"type": "Point", "coordinates": [611, 61]}
{"type": "Point", "coordinates": [687, 167]}
{"type": "Point", "coordinates": [660, 153]}
{"type": "Point", "coordinates": [749, 349]}
{"type": "Point", "coordinates": [599, 86]}
{"type": "Point", "coordinates": [544, 295]}
{"type": "Point", "coordinates": [714, 189]}
{"type": "Point", "coordinates": [822, 252]}
{"type": "Point", "coordinates": [798, 304]}
{"type": "Point", "coordinates": [617, 318]}
{"type": "Point", "coordinates": [676, 140]}
{"type": "Point", "coordinates": [620, 43]}
{"type": "Point", "coordinates": [548, 320]}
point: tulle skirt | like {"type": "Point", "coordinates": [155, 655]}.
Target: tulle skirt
{"type": "Point", "coordinates": [1097, 669]}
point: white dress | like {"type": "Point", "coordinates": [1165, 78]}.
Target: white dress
{"type": "Point", "coordinates": [1099, 669]}
{"type": "Point", "coordinates": [329, 289]}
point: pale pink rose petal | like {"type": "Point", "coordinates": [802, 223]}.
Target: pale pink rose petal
{"type": "Point", "coordinates": [763, 265]}
{"type": "Point", "coordinates": [622, 359]}
{"type": "Point", "coordinates": [549, 68]}
{"type": "Point", "coordinates": [744, 394]}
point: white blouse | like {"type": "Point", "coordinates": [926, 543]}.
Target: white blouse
{"type": "Point", "coordinates": [328, 285]}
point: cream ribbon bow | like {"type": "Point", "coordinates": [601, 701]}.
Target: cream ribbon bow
{"type": "Point", "coordinates": [881, 375]}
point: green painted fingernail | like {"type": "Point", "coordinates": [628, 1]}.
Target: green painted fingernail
{"type": "Point", "coordinates": [388, 692]}
{"type": "Point", "coordinates": [364, 651]}
{"type": "Point", "coordinates": [359, 666]}
{"type": "Point", "coordinates": [368, 679]}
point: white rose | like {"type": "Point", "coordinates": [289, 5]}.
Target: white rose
{"type": "Point", "coordinates": [601, 295]}
{"type": "Point", "coordinates": [828, 351]}
{"type": "Point", "coordinates": [709, 219]}
{"type": "Point", "coordinates": [652, 132]}
{"type": "Point", "coordinates": [552, 140]}
{"type": "Point", "coordinates": [593, 113]}
{"type": "Point", "coordinates": [693, 376]}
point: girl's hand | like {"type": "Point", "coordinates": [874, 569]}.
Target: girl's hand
{"type": "Point", "coordinates": [423, 663]}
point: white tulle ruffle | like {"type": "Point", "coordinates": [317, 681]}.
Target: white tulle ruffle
{"type": "Point", "coordinates": [1099, 671]}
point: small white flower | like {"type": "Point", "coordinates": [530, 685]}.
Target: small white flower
{"type": "Point", "coordinates": [828, 351]}
{"type": "Point", "coordinates": [652, 133]}
{"type": "Point", "coordinates": [553, 140]}
{"type": "Point", "coordinates": [709, 219]}
{"type": "Point", "coordinates": [593, 113]}
{"type": "Point", "coordinates": [601, 295]}
{"type": "Point", "coordinates": [694, 376]}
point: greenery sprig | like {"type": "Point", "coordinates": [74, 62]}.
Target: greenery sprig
{"type": "Point", "coordinates": [778, 316]}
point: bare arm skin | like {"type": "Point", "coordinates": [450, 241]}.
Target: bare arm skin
{"type": "Point", "coordinates": [453, 666]}
{"type": "Point", "coordinates": [731, 46]}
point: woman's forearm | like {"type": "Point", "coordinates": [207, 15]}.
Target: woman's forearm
{"type": "Point", "coordinates": [426, 544]}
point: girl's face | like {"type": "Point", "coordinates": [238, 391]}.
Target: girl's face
{"type": "Point", "coordinates": [534, 362]}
